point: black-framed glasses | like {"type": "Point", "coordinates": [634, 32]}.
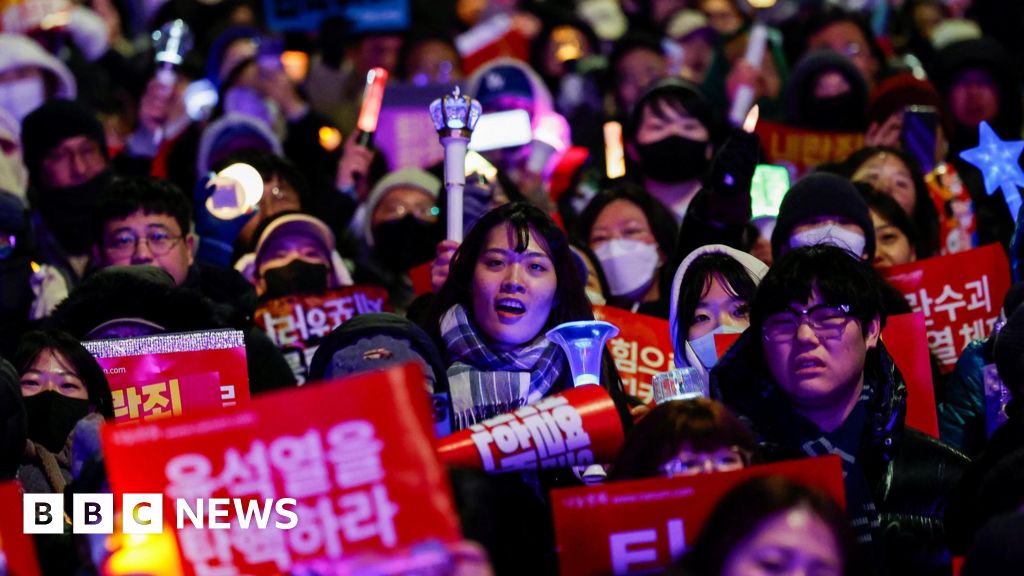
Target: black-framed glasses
{"type": "Point", "coordinates": [125, 243]}
{"type": "Point", "coordinates": [827, 323]}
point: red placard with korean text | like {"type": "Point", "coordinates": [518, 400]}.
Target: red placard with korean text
{"type": "Point", "coordinates": [17, 551]}
{"type": "Point", "coordinates": [959, 294]}
{"type": "Point", "coordinates": [642, 349]}
{"type": "Point", "coordinates": [164, 375]}
{"type": "Point", "coordinates": [800, 150]}
{"type": "Point", "coordinates": [363, 470]}
{"type": "Point", "coordinates": [639, 526]}
{"type": "Point", "coordinates": [905, 337]}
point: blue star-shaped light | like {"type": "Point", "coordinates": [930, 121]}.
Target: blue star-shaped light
{"type": "Point", "coordinates": [998, 161]}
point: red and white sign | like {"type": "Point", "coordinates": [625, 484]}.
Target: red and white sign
{"type": "Point", "coordinates": [640, 526]}
{"type": "Point", "coordinates": [574, 428]}
{"type": "Point", "coordinates": [642, 349]}
{"type": "Point", "coordinates": [959, 294]}
{"type": "Point", "coordinates": [153, 377]}
{"type": "Point", "coordinates": [300, 321]}
{"type": "Point", "coordinates": [906, 339]}
{"type": "Point", "coordinates": [17, 551]}
{"type": "Point", "coordinates": [363, 471]}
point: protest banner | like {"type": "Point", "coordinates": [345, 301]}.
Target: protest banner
{"type": "Point", "coordinates": [959, 294]}
{"type": "Point", "coordinates": [905, 337]}
{"type": "Point", "coordinates": [642, 349]}
{"type": "Point", "coordinates": [363, 15]}
{"type": "Point", "coordinates": [575, 428]}
{"type": "Point", "coordinates": [17, 551]}
{"type": "Point", "coordinates": [800, 150]}
{"type": "Point", "coordinates": [639, 526]}
{"type": "Point", "coordinates": [296, 324]}
{"type": "Point", "coordinates": [363, 473]}
{"type": "Point", "coordinates": [724, 341]}
{"type": "Point", "coordinates": [164, 375]}
{"type": "Point", "coordinates": [496, 37]}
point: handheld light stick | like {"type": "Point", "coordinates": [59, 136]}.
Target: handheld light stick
{"type": "Point", "coordinates": [583, 342]}
{"type": "Point", "coordinates": [237, 190]}
{"type": "Point", "coordinates": [999, 162]}
{"type": "Point", "coordinates": [756, 44]}
{"type": "Point", "coordinates": [454, 117]}
{"type": "Point", "coordinates": [614, 155]}
{"type": "Point", "coordinates": [171, 42]}
{"type": "Point", "coordinates": [373, 97]}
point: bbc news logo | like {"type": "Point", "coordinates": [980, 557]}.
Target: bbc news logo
{"type": "Point", "coordinates": [144, 513]}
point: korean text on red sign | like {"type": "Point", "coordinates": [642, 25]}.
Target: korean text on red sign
{"type": "Point", "coordinates": [166, 375]}
{"type": "Point", "coordinates": [640, 526]}
{"type": "Point", "coordinates": [959, 294]}
{"type": "Point", "coordinates": [642, 349]}
{"type": "Point", "coordinates": [364, 473]}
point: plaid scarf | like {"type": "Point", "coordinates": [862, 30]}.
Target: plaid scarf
{"type": "Point", "coordinates": [484, 383]}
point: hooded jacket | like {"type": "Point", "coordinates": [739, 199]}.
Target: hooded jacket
{"type": "Point", "coordinates": [685, 356]}
{"type": "Point", "coordinates": [909, 474]}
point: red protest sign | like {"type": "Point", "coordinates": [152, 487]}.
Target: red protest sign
{"type": "Point", "coordinates": [574, 428]}
{"type": "Point", "coordinates": [642, 349]}
{"type": "Point", "coordinates": [800, 150]}
{"type": "Point", "coordinates": [165, 375]}
{"type": "Point", "coordinates": [17, 551]}
{"type": "Point", "coordinates": [959, 294]}
{"type": "Point", "coordinates": [363, 472]}
{"type": "Point", "coordinates": [724, 341]}
{"type": "Point", "coordinates": [906, 339]}
{"type": "Point", "coordinates": [639, 526]}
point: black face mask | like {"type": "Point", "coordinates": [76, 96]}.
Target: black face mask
{"type": "Point", "coordinates": [51, 418]}
{"type": "Point", "coordinates": [404, 243]}
{"type": "Point", "coordinates": [298, 277]}
{"type": "Point", "coordinates": [674, 159]}
{"type": "Point", "coordinates": [68, 211]}
{"type": "Point", "coordinates": [834, 114]}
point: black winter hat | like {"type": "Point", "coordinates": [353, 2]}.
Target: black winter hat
{"type": "Point", "coordinates": [52, 123]}
{"type": "Point", "coordinates": [821, 194]}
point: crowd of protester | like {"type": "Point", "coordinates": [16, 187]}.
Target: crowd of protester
{"type": "Point", "coordinates": [109, 228]}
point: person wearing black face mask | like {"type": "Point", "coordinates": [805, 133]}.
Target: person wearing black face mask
{"type": "Point", "coordinates": [61, 384]}
{"type": "Point", "coordinates": [670, 141]}
{"type": "Point", "coordinates": [402, 227]}
{"type": "Point", "coordinates": [65, 151]}
{"type": "Point", "coordinates": [827, 93]}
{"type": "Point", "coordinates": [295, 255]}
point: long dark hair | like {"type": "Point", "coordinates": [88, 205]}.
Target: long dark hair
{"type": "Point", "coordinates": [740, 512]}
{"type": "Point", "coordinates": [84, 364]}
{"type": "Point", "coordinates": [570, 302]}
{"type": "Point", "coordinates": [697, 281]}
{"type": "Point", "coordinates": [706, 425]}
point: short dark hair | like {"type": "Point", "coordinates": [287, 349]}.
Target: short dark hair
{"type": "Point", "coordinates": [838, 277]}
{"type": "Point", "coordinates": [570, 301]}
{"type": "Point", "coordinates": [705, 425]}
{"type": "Point", "coordinates": [746, 507]}
{"type": "Point", "coordinates": [697, 281]}
{"type": "Point", "coordinates": [672, 93]}
{"type": "Point", "coordinates": [151, 196]}
{"type": "Point", "coordinates": [891, 211]}
{"type": "Point", "coordinates": [84, 364]}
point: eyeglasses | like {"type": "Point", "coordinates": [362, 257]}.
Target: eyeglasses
{"type": "Point", "coordinates": [126, 243]}
{"type": "Point", "coordinates": [827, 323]}
{"type": "Point", "coordinates": [691, 464]}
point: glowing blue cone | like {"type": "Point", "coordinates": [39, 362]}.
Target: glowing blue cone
{"type": "Point", "coordinates": [583, 342]}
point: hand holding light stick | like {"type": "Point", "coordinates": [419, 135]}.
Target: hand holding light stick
{"type": "Point", "coordinates": [171, 42]}
{"type": "Point", "coordinates": [754, 55]}
{"type": "Point", "coordinates": [454, 115]}
{"type": "Point", "coordinates": [373, 98]}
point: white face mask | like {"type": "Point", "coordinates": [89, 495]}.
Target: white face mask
{"type": "Point", "coordinates": [628, 264]}
{"type": "Point", "coordinates": [704, 346]}
{"type": "Point", "coordinates": [830, 234]}
{"type": "Point", "coordinates": [19, 97]}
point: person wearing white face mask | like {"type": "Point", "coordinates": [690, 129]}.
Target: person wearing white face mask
{"type": "Point", "coordinates": [824, 209]}
{"type": "Point", "coordinates": [631, 233]}
{"type": "Point", "coordinates": [29, 75]}
{"type": "Point", "coordinates": [711, 291]}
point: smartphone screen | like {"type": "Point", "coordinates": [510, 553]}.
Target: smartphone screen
{"type": "Point", "coordinates": [768, 187]}
{"type": "Point", "coordinates": [919, 133]}
{"type": "Point", "coordinates": [501, 130]}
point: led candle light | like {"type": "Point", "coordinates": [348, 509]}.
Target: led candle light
{"type": "Point", "coordinates": [614, 155]}
{"type": "Point", "coordinates": [373, 97]}
{"type": "Point", "coordinates": [454, 116]}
